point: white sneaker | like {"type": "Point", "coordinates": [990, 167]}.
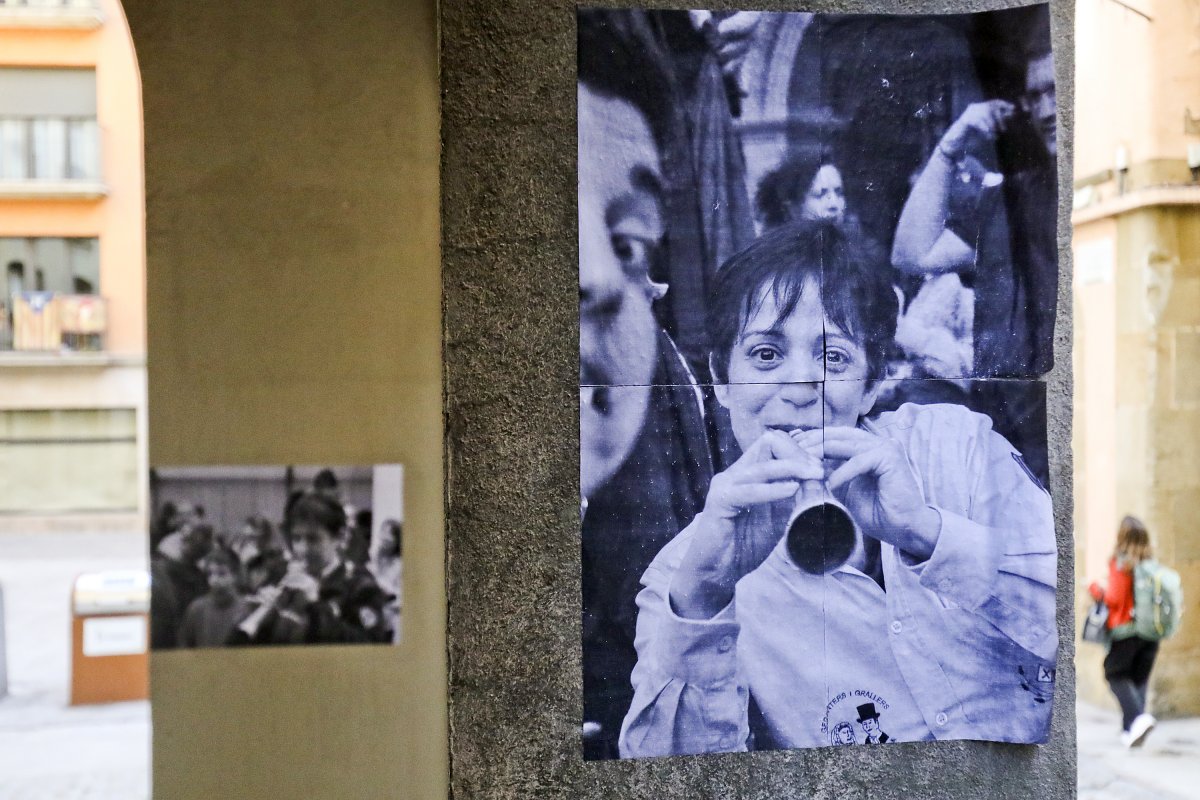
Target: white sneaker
{"type": "Point", "coordinates": [1139, 730]}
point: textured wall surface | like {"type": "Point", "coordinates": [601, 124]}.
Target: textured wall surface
{"type": "Point", "coordinates": [511, 348]}
{"type": "Point", "coordinates": [293, 306]}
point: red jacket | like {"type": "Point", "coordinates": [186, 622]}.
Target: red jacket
{"type": "Point", "coordinates": [1118, 595]}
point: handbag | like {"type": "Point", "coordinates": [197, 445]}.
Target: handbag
{"type": "Point", "coordinates": [1095, 627]}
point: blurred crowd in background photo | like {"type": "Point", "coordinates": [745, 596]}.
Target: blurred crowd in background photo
{"type": "Point", "coordinates": [275, 555]}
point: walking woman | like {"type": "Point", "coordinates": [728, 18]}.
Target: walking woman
{"type": "Point", "coordinates": [1130, 657]}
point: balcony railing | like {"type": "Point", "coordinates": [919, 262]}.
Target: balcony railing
{"type": "Point", "coordinates": [42, 322]}
{"type": "Point", "coordinates": [50, 14]}
{"type": "Point", "coordinates": [50, 156]}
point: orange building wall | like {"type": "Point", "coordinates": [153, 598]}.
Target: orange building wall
{"type": "Point", "coordinates": [118, 220]}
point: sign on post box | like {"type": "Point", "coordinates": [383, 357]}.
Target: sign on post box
{"type": "Point", "coordinates": [110, 637]}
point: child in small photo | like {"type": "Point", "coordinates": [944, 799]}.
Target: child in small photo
{"type": "Point", "coordinates": [210, 618]}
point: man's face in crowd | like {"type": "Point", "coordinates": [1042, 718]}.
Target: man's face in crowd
{"type": "Point", "coordinates": [801, 372]}
{"type": "Point", "coordinates": [620, 226]}
{"type": "Point", "coordinates": [870, 725]}
{"type": "Point", "coordinates": [316, 547]}
{"type": "Point", "coordinates": [1040, 100]}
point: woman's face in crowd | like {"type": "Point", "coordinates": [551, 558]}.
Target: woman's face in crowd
{"type": "Point", "coordinates": [801, 372]}
{"type": "Point", "coordinates": [825, 199]}
{"type": "Point", "coordinates": [316, 547]}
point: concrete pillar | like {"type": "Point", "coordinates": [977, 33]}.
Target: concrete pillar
{"type": "Point", "coordinates": [294, 318]}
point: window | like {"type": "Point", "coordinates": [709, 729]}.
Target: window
{"type": "Point", "coordinates": [48, 128]}
{"type": "Point", "coordinates": [50, 294]}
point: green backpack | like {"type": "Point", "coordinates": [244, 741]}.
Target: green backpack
{"type": "Point", "coordinates": [1157, 601]}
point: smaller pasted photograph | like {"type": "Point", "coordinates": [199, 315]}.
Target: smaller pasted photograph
{"type": "Point", "coordinates": [275, 555]}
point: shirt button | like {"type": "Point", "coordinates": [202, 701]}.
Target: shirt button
{"type": "Point", "coordinates": [896, 626]}
{"type": "Point", "coordinates": [945, 585]}
{"type": "Point", "coordinates": [725, 644]}
{"type": "Point", "coordinates": [941, 718]}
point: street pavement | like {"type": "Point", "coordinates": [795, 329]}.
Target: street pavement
{"type": "Point", "coordinates": [1166, 767]}
{"type": "Point", "coordinates": [51, 751]}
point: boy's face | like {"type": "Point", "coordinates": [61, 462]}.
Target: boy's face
{"type": "Point", "coordinates": [802, 372]}
{"type": "Point", "coordinates": [257, 578]}
{"type": "Point", "coordinates": [314, 546]}
{"type": "Point", "coordinates": [220, 577]}
{"type": "Point", "coordinates": [621, 222]}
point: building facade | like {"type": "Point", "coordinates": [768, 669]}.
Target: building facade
{"type": "Point", "coordinates": [1137, 308]}
{"type": "Point", "coordinates": [72, 255]}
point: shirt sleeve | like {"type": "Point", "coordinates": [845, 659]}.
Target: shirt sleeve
{"type": "Point", "coordinates": [999, 560]}
{"type": "Point", "coordinates": [687, 697]}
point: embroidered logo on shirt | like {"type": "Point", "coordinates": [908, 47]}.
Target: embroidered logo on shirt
{"type": "Point", "coordinates": [849, 720]}
{"type": "Point", "coordinates": [1038, 680]}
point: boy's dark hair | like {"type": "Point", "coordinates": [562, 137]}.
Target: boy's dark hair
{"type": "Point", "coordinates": [325, 480]}
{"type": "Point", "coordinates": [223, 555]}
{"type": "Point", "coordinates": [273, 562]}
{"type": "Point", "coordinates": [619, 56]}
{"type": "Point", "coordinates": [856, 292]}
{"type": "Point", "coordinates": [320, 510]}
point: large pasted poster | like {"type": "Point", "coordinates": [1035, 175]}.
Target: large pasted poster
{"type": "Point", "coordinates": [818, 271]}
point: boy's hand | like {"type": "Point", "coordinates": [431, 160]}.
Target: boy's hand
{"type": "Point", "coordinates": [723, 548]}
{"type": "Point", "coordinates": [878, 487]}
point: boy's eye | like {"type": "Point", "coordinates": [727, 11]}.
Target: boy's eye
{"type": "Point", "coordinates": [836, 358]}
{"type": "Point", "coordinates": [765, 354]}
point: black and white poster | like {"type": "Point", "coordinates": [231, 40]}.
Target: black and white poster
{"type": "Point", "coordinates": [818, 276]}
{"type": "Point", "coordinates": [275, 555]}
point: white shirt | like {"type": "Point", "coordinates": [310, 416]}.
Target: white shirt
{"type": "Point", "coordinates": [960, 646]}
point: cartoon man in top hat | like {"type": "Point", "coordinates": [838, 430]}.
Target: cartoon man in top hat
{"type": "Point", "coordinates": [868, 717]}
